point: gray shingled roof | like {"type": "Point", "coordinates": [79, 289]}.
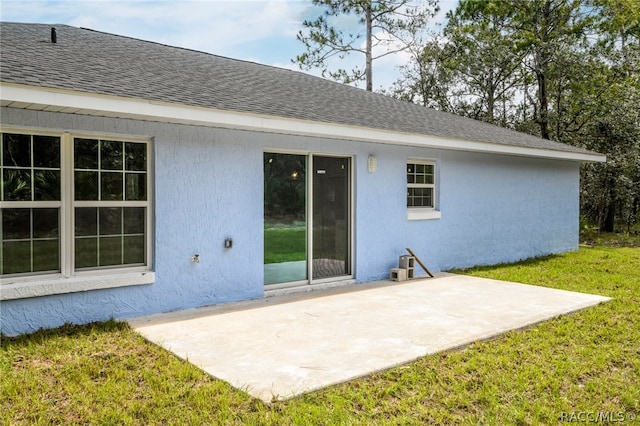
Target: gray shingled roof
{"type": "Point", "coordinates": [90, 61]}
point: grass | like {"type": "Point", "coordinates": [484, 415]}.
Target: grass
{"type": "Point", "coordinates": [622, 239]}
{"type": "Point", "coordinates": [285, 244]}
{"type": "Point", "coordinates": [588, 361]}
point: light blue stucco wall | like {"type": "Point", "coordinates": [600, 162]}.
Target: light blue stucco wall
{"type": "Point", "coordinates": [494, 209]}
{"type": "Point", "coordinates": [208, 186]}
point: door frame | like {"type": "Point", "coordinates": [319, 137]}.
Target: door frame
{"type": "Point", "coordinates": [310, 281]}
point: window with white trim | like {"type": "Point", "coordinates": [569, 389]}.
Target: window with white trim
{"type": "Point", "coordinates": [31, 203]}
{"type": "Point", "coordinates": [73, 204]}
{"type": "Point", "coordinates": [110, 181]}
{"type": "Point", "coordinates": [421, 184]}
{"type": "Point", "coordinates": [421, 190]}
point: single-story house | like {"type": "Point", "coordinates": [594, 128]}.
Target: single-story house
{"type": "Point", "coordinates": [140, 178]}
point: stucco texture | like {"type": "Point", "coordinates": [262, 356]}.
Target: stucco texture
{"type": "Point", "coordinates": [208, 186]}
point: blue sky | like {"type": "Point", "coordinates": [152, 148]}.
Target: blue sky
{"type": "Point", "coordinates": [261, 31]}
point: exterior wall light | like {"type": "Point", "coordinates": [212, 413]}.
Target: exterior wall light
{"type": "Point", "coordinates": [372, 164]}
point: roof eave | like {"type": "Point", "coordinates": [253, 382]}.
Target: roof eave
{"type": "Point", "coordinates": [67, 101]}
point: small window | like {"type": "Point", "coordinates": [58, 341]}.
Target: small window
{"type": "Point", "coordinates": [421, 188]}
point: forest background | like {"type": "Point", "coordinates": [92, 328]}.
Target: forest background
{"type": "Point", "coordinates": [564, 70]}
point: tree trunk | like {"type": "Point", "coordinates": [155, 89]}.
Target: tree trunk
{"type": "Point", "coordinates": [491, 100]}
{"type": "Point", "coordinates": [609, 221]}
{"type": "Point", "coordinates": [544, 104]}
{"type": "Point", "coordinates": [369, 57]}
{"type": "Point", "coordinates": [542, 57]}
{"type": "Point", "coordinates": [634, 212]}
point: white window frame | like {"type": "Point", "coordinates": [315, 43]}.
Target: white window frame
{"type": "Point", "coordinates": [36, 204]}
{"type": "Point", "coordinates": [68, 280]}
{"type": "Point", "coordinates": [424, 213]}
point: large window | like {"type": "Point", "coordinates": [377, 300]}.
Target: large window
{"type": "Point", "coordinates": [90, 212]}
{"type": "Point", "coordinates": [30, 203]}
{"type": "Point", "coordinates": [110, 186]}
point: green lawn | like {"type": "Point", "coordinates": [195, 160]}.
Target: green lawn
{"type": "Point", "coordinates": [586, 363]}
{"type": "Point", "coordinates": [287, 244]}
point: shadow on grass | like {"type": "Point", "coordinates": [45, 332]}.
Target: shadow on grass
{"type": "Point", "coordinates": [67, 330]}
{"type": "Point", "coordinates": [534, 261]}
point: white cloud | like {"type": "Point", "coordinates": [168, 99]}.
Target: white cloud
{"type": "Point", "coordinates": [200, 25]}
{"type": "Point", "coordinates": [258, 30]}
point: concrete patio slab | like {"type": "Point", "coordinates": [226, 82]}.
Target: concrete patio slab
{"type": "Point", "coordinates": [279, 347]}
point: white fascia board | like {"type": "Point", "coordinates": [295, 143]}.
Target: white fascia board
{"type": "Point", "coordinates": [113, 106]}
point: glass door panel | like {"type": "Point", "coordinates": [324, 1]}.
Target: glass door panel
{"type": "Point", "coordinates": [285, 219]}
{"type": "Point", "coordinates": [331, 217]}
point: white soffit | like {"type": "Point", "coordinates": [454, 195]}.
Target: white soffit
{"type": "Point", "coordinates": [56, 100]}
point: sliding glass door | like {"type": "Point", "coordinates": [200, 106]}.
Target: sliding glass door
{"type": "Point", "coordinates": [331, 215]}
{"type": "Point", "coordinates": [285, 218]}
{"type": "Point", "coordinates": [307, 211]}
